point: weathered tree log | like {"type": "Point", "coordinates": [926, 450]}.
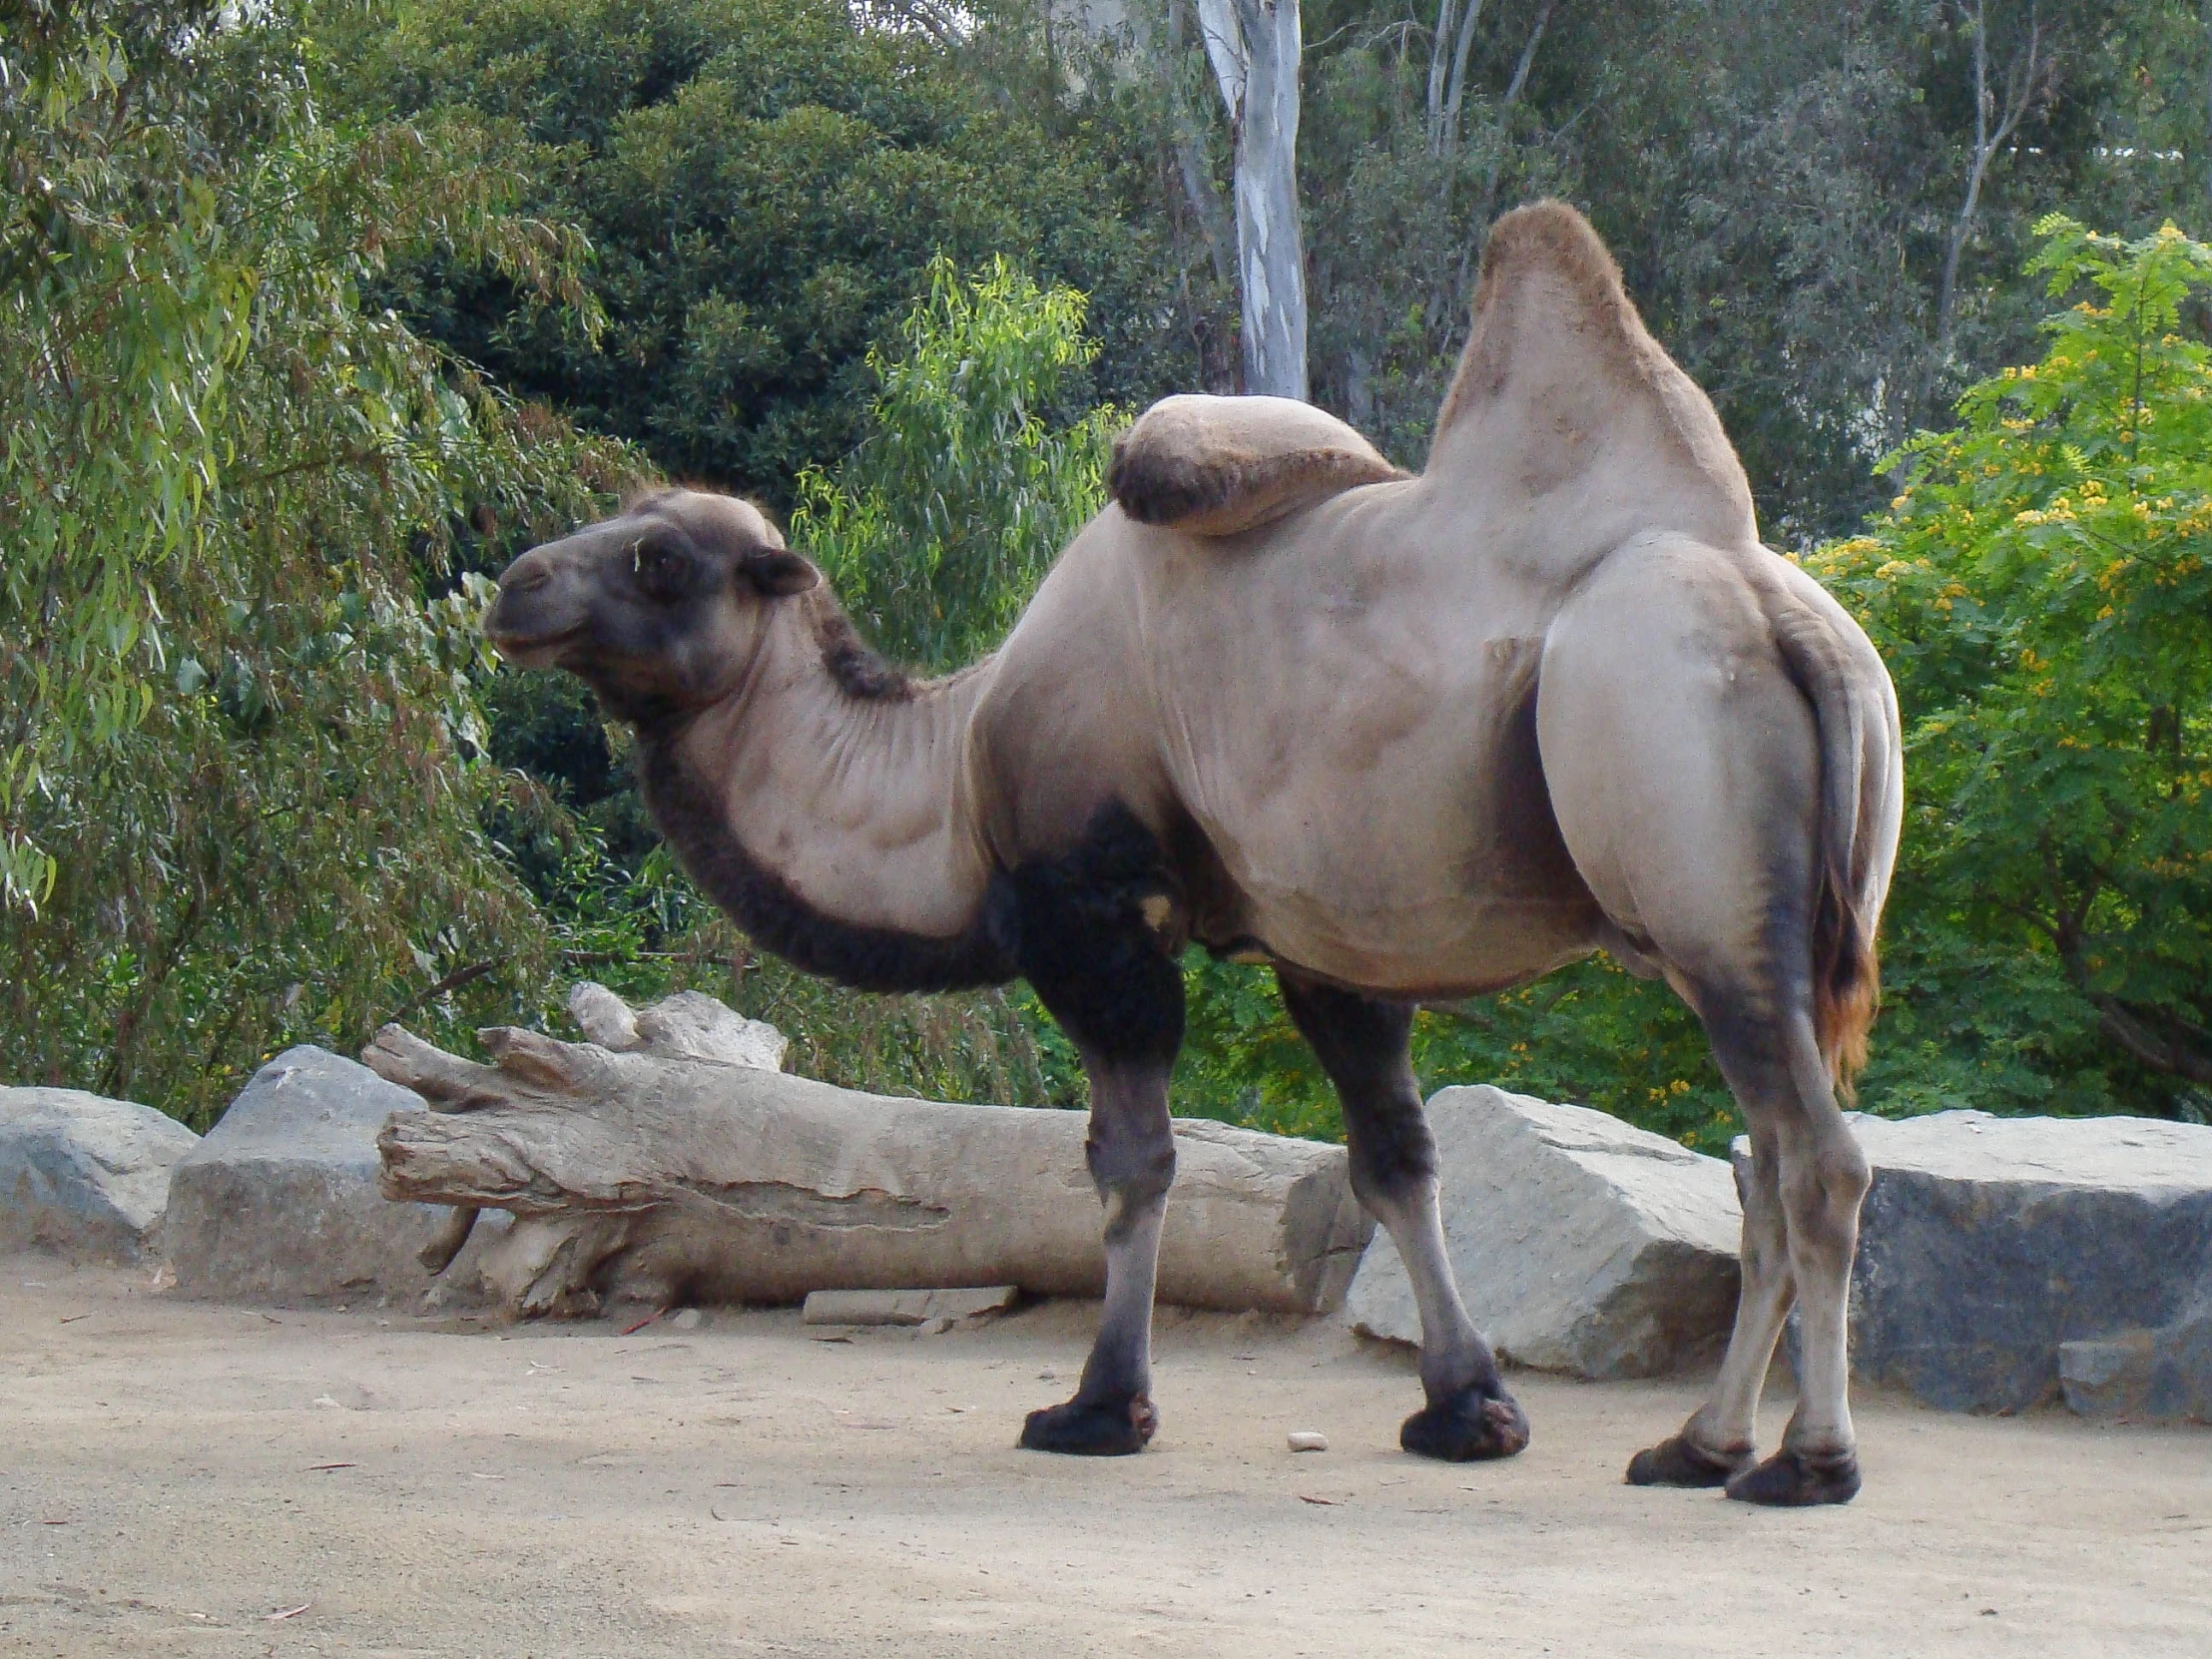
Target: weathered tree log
{"type": "Point", "coordinates": [693, 1180]}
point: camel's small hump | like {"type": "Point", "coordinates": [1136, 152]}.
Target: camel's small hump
{"type": "Point", "coordinates": [1557, 362]}
{"type": "Point", "coordinates": [1214, 466]}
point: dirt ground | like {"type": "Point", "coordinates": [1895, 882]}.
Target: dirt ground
{"type": "Point", "coordinates": [176, 1478]}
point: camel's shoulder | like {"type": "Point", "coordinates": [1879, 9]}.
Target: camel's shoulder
{"type": "Point", "coordinates": [1214, 466]}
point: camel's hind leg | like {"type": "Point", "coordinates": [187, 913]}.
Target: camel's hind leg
{"type": "Point", "coordinates": [1684, 766]}
{"type": "Point", "coordinates": [1362, 1047]}
{"type": "Point", "coordinates": [1806, 1165]}
{"type": "Point", "coordinates": [1801, 1231]}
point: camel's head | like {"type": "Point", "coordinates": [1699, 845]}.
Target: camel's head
{"type": "Point", "coordinates": [660, 608]}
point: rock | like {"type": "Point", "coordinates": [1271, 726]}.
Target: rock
{"type": "Point", "coordinates": [280, 1203]}
{"type": "Point", "coordinates": [906, 1306]}
{"type": "Point", "coordinates": [1581, 1244]}
{"type": "Point", "coordinates": [81, 1175]}
{"type": "Point", "coordinates": [2143, 1375]}
{"type": "Point", "coordinates": [1990, 1244]}
{"type": "Point", "coordinates": [1307, 1439]}
{"type": "Point", "coordinates": [689, 1319]}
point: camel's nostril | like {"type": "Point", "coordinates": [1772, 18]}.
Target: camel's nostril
{"type": "Point", "coordinates": [528, 581]}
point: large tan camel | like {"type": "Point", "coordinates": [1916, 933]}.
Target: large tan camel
{"type": "Point", "coordinates": [1401, 737]}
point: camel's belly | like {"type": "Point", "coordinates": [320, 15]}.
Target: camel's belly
{"type": "Point", "coordinates": [1404, 914]}
{"type": "Point", "coordinates": [1435, 952]}
{"type": "Point", "coordinates": [1427, 862]}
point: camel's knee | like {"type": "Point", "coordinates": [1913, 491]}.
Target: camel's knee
{"type": "Point", "coordinates": [1132, 1174]}
{"type": "Point", "coordinates": [1824, 1182]}
{"type": "Point", "coordinates": [1393, 1155]}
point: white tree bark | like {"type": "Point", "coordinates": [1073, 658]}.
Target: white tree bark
{"type": "Point", "coordinates": [666, 1177]}
{"type": "Point", "coordinates": [1994, 121]}
{"type": "Point", "coordinates": [1255, 48]}
{"type": "Point", "coordinates": [1447, 70]}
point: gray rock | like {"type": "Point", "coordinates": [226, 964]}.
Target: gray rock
{"type": "Point", "coordinates": [280, 1203]}
{"type": "Point", "coordinates": [2144, 1375]}
{"type": "Point", "coordinates": [81, 1175]}
{"type": "Point", "coordinates": [1582, 1245]}
{"type": "Point", "coordinates": [1988, 1245]}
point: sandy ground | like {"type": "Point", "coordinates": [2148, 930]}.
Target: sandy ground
{"type": "Point", "coordinates": [173, 1477]}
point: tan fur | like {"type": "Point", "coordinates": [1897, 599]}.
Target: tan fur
{"type": "Point", "coordinates": [1218, 466]}
{"type": "Point", "coordinates": [1416, 736]}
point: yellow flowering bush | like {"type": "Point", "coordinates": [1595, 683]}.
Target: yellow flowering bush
{"type": "Point", "coordinates": [2042, 593]}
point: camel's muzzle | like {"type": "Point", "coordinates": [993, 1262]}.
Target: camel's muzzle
{"type": "Point", "coordinates": [534, 619]}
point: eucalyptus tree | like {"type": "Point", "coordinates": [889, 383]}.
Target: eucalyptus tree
{"type": "Point", "coordinates": [243, 790]}
{"type": "Point", "coordinates": [1256, 49]}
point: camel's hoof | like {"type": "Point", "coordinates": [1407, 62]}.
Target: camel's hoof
{"type": "Point", "coordinates": [1790, 1481]}
{"type": "Point", "coordinates": [1084, 1429]}
{"type": "Point", "coordinates": [1471, 1428]}
{"type": "Point", "coordinates": [1674, 1461]}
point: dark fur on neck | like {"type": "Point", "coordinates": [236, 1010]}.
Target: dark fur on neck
{"type": "Point", "coordinates": [770, 910]}
{"type": "Point", "coordinates": [859, 672]}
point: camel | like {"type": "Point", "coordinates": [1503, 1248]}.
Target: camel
{"type": "Point", "coordinates": [1401, 736]}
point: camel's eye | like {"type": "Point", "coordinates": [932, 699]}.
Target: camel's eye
{"type": "Point", "coordinates": [660, 570]}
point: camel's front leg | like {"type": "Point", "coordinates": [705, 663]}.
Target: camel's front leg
{"type": "Point", "coordinates": [1093, 948]}
{"type": "Point", "coordinates": [1363, 1046]}
{"type": "Point", "coordinates": [1132, 1158]}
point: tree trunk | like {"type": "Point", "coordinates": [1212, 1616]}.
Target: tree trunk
{"type": "Point", "coordinates": [638, 1175]}
{"type": "Point", "coordinates": [1255, 48]}
{"type": "Point", "coordinates": [2020, 84]}
{"type": "Point", "coordinates": [1189, 152]}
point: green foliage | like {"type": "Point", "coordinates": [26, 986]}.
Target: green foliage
{"type": "Point", "coordinates": [240, 796]}
{"type": "Point", "coordinates": [766, 183]}
{"type": "Point", "coordinates": [2042, 591]}
{"type": "Point", "coordinates": [1587, 1033]}
{"type": "Point", "coordinates": [937, 528]}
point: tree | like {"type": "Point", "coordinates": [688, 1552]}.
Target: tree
{"type": "Point", "coordinates": [765, 183]}
{"type": "Point", "coordinates": [938, 527]}
{"type": "Point", "coordinates": [245, 789]}
{"type": "Point", "coordinates": [2040, 591]}
{"type": "Point", "coordinates": [1255, 48]}
{"type": "Point", "coordinates": [1998, 110]}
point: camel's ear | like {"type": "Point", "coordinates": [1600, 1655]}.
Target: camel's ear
{"type": "Point", "coordinates": [777, 571]}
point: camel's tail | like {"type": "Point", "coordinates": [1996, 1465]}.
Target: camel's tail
{"type": "Point", "coordinates": [1847, 977]}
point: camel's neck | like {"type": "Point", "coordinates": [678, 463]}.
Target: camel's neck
{"type": "Point", "coordinates": [823, 805]}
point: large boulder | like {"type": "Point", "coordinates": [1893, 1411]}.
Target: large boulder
{"type": "Point", "coordinates": [1582, 1245]}
{"type": "Point", "coordinates": [2007, 1262]}
{"type": "Point", "coordinates": [280, 1203]}
{"type": "Point", "coordinates": [81, 1175]}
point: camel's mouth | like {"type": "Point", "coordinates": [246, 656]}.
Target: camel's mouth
{"type": "Point", "coordinates": [534, 650]}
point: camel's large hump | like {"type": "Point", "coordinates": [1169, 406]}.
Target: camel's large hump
{"type": "Point", "coordinates": [1216, 465]}
{"type": "Point", "coordinates": [1560, 376]}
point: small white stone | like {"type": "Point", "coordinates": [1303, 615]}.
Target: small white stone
{"type": "Point", "coordinates": [1309, 1439]}
{"type": "Point", "coordinates": [688, 1320]}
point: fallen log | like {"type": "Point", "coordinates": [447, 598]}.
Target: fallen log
{"type": "Point", "coordinates": [670, 1177]}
